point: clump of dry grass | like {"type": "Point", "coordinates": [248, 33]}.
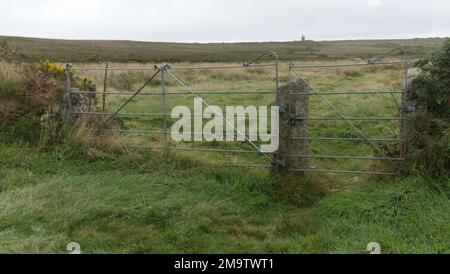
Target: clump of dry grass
{"type": "Point", "coordinates": [11, 89]}
{"type": "Point", "coordinates": [80, 138]}
{"type": "Point", "coordinates": [9, 73]}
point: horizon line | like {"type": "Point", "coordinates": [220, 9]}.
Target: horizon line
{"type": "Point", "coordinates": [216, 42]}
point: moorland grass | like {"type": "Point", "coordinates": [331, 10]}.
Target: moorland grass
{"type": "Point", "coordinates": [145, 205]}
{"type": "Point", "coordinates": [33, 50]}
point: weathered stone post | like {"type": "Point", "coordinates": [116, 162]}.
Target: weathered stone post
{"type": "Point", "coordinates": [92, 89]}
{"type": "Point", "coordinates": [415, 101]}
{"type": "Point", "coordinates": [73, 104]}
{"type": "Point", "coordinates": [294, 106]}
{"type": "Point", "coordinates": [415, 112]}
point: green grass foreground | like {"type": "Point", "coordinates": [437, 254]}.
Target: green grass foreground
{"type": "Point", "coordinates": [147, 204]}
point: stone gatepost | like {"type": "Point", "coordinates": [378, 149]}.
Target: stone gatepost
{"type": "Point", "coordinates": [416, 105]}
{"type": "Point", "coordinates": [415, 112]}
{"type": "Point", "coordinates": [92, 92]}
{"type": "Point", "coordinates": [294, 105]}
{"type": "Point", "coordinates": [74, 104]}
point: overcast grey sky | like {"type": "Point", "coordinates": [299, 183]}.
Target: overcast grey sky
{"type": "Point", "coordinates": [225, 20]}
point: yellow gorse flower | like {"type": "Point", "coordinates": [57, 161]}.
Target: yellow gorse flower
{"type": "Point", "coordinates": [55, 69]}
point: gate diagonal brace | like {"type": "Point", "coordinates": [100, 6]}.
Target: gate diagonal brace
{"type": "Point", "coordinates": [346, 119]}
{"type": "Point", "coordinates": [163, 68]}
{"type": "Point", "coordinates": [219, 115]}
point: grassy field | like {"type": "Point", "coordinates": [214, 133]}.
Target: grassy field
{"type": "Point", "coordinates": [140, 201]}
{"type": "Point", "coordinates": [32, 49]}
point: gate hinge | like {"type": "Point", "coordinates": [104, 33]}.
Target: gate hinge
{"type": "Point", "coordinates": [280, 163]}
{"type": "Point", "coordinates": [410, 108]}
{"type": "Point", "coordinates": [284, 109]}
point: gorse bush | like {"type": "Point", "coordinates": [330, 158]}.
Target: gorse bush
{"type": "Point", "coordinates": [28, 93]}
{"type": "Point", "coordinates": [55, 70]}
{"type": "Point", "coordinates": [430, 151]}
{"type": "Point", "coordinates": [43, 90]}
{"type": "Point", "coordinates": [436, 80]}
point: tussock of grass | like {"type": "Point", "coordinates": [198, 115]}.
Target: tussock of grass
{"type": "Point", "coordinates": [384, 211]}
{"type": "Point", "coordinates": [11, 82]}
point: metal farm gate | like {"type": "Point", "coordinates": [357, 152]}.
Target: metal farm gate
{"type": "Point", "coordinates": [392, 159]}
{"type": "Point", "coordinates": [170, 84]}
{"type": "Point", "coordinates": [162, 83]}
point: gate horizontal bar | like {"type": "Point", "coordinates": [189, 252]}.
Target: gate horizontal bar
{"type": "Point", "coordinates": [348, 118]}
{"type": "Point", "coordinates": [119, 114]}
{"type": "Point", "coordinates": [162, 132]}
{"type": "Point", "coordinates": [202, 150]}
{"type": "Point", "coordinates": [346, 139]}
{"type": "Point", "coordinates": [178, 93]}
{"type": "Point", "coordinates": [224, 67]}
{"type": "Point", "coordinates": [129, 131]}
{"type": "Point", "coordinates": [345, 171]}
{"type": "Point", "coordinates": [246, 165]}
{"type": "Point", "coordinates": [114, 69]}
{"type": "Point", "coordinates": [145, 114]}
{"type": "Point", "coordinates": [347, 65]}
{"type": "Point", "coordinates": [176, 68]}
{"type": "Point", "coordinates": [348, 157]}
{"type": "Point", "coordinates": [350, 93]}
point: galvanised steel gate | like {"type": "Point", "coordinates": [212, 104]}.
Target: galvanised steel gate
{"type": "Point", "coordinates": [167, 77]}
{"type": "Point", "coordinates": [378, 144]}
{"type": "Point", "coordinates": [162, 81]}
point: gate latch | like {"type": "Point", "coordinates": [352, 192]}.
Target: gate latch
{"type": "Point", "coordinates": [284, 109]}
